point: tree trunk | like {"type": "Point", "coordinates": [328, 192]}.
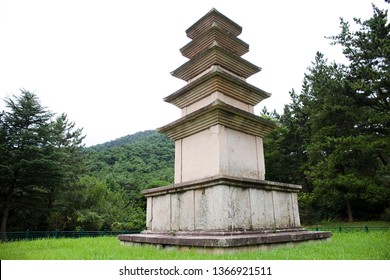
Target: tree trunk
{"type": "Point", "coordinates": [4, 218]}
{"type": "Point", "coordinates": [382, 158]}
{"type": "Point", "coordinates": [349, 209]}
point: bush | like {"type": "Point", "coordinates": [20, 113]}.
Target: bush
{"type": "Point", "coordinates": [307, 213]}
{"type": "Point", "coordinates": [88, 220]}
{"type": "Point", "coordinates": [386, 215]}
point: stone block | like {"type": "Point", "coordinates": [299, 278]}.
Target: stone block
{"type": "Point", "coordinates": [161, 213]}
{"type": "Point", "coordinates": [243, 155]}
{"type": "Point", "coordinates": [211, 211]}
{"type": "Point", "coordinates": [182, 218]}
{"type": "Point", "coordinates": [149, 209]}
{"type": "Point", "coordinates": [222, 208]}
{"type": "Point", "coordinates": [193, 151]}
{"type": "Point", "coordinates": [226, 155]}
{"type": "Point", "coordinates": [262, 209]}
{"type": "Point", "coordinates": [284, 209]}
{"type": "Point", "coordinates": [295, 210]}
{"type": "Point", "coordinates": [239, 208]}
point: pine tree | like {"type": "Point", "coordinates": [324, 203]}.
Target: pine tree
{"type": "Point", "coordinates": [38, 155]}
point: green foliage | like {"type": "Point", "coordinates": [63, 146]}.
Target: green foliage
{"type": "Point", "coordinates": [141, 164]}
{"type": "Point", "coordinates": [135, 220]}
{"type": "Point", "coordinates": [49, 180]}
{"type": "Point", "coordinates": [125, 140]}
{"type": "Point", "coordinates": [90, 204]}
{"type": "Point", "coordinates": [285, 148]}
{"type": "Point", "coordinates": [334, 136]}
{"type": "Point", "coordinates": [368, 52]}
{"type": "Point", "coordinates": [386, 215]}
{"type": "Point", "coordinates": [89, 220]}
{"type": "Point", "coordinates": [307, 202]}
{"type": "Point", "coordinates": [144, 161]}
{"type": "Point", "coordinates": [39, 157]}
{"type": "Point", "coordinates": [349, 108]}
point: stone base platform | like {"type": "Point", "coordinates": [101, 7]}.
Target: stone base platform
{"type": "Point", "coordinates": [223, 242]}
{"type": "Point", "coordinates": [222, 203]}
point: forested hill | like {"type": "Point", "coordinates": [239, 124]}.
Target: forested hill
{"type": "Point", "coordinates": [134, 162]}
{"type": "Point", "coordinates": [128, 139]}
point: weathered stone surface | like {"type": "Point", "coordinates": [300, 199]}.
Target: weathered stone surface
{"type": "Point", "coordinates": [182, 211]}
{"type": "Point", "coordinates": [149, 209]}
{"type": "Point", "coordinates": [211, 213]}
{"type": "Point", "coordinates": [225, 155]}
{"type": "Point", "coordinates": [247, 160]}
{"type": "Point", "coordinates": [262, 209]}
{"type": "Point", "coordinates": [281, 205]}
{"type": "Point", "coordinates": [239, 209]}
{"type": "Point", "coordinates": [223, 204]}
{"type": "Point", "coordinates": [222, 180]}
{"type": "Point", "coordinates": [295, 211]}
{"type": "Point", "coordinates": [161, 213]}
{"type": "Point", "coordinates": [193, 152]}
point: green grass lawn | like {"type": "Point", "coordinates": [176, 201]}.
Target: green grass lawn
{"type": "Point", "coordinates": [374, 245]}
{"type": "Point", "coordinates": [333, 224]}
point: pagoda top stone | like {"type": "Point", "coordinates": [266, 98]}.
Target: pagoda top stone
{"type": "Point", "coordinates": [213, 18]}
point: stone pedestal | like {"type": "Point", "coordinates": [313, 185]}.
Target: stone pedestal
{"type": "Point", "coordinates": [220, 199]}
{"type": "Point", "coordinates": [222, 204]}
{"type": "Point", "coordinates": [223, 215]}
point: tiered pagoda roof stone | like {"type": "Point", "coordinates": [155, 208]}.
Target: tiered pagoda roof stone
{"type": "Point", "coordinates": [212, 36]}
{"type": "Point", "coordinates": [213, 18]}
{"type": "Point", "coordinates": [217, 80]}
{"type": "Point", "coordinates": [216, 92]}
{"type": "Point", "coordinates": [215, 56]}
{"type": "Point", "coordinates": [218, 113]}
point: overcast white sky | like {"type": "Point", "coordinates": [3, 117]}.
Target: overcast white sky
{"type": "Point", "coordinates": [107, 63]}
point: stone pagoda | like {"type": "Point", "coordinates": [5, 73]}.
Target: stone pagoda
{"type": "Point", "coordinates": [220, 198]}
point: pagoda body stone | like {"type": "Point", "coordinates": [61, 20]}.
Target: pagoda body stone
{"type": "Point", "coordinates": [220, 198]}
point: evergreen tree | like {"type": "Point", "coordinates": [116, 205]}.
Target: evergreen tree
{"type": "Point", "coordinates": [349, 108]}
{"type": "Point", "coordinates": [38, 155]}
{"type": "Point", "coordinates": [368, 77]}
{"type": "Point", "coordinates": [335, 134]}
{"type": "Point", "coordinates": [366, 81]}
{"type": "Point", "coordinates": [340, 164]}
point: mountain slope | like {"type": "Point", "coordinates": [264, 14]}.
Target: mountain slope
{"type": "Point", "coordinates": [134, 162]}
{"type": "Point", "coordinates": [124, 140]}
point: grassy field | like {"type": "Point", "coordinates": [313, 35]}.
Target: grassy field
{"type": "Point", "coordinates": [333, 224]}
{"type": "Point", "coordinates": [374, 245]}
